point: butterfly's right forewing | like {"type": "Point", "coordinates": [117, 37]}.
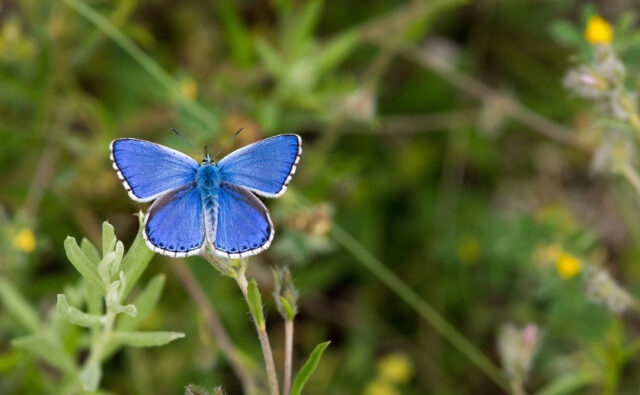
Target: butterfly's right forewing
{"type": "Point", "coordinates": [148, 170]}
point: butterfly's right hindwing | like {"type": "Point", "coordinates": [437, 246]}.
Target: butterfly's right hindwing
{"type": "Point", "coordinates": [174, 225]}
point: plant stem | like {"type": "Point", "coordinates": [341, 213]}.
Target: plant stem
{"type": "Point", "coordinates": [215, 326]}
{"type": "Point", "coordinates": [264, 339]}
{"type": "Point", "coordinates": [479, 90]}
{"type": "Point", "coordinates": [409, 296]}
{"type": "Point", "coordinates": [632, 176]}
{"type": "Point", "coordinates": [145, 61]}
{"type": "Point", "coordinates": [288, 355]}
{"type": "Point", "coordinates": [98, 346]}
{"type": "Point", "coordinates": [517, 388]}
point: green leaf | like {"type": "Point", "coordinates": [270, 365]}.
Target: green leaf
{"type": "Point", "coordinates": [136, 259]}
{"type": "Point", "coordinates": [129, 309]}
{"type": "Point", "coordinates": [90, 251]}
{"type": "Point", "coordinates": [108, 238]}
{"type": "Point", "coordinates": [569, 383]}
{"type": "Point", "coordinates": [308, 368]}
{"type": "Point", "coordinates": [236, 34]}
{"type": "Point", "coordinates": [18, 306]}
{"type": "Point", "coordinates": [83, 264]}
{"type": "Point", "coordinates": [145, 303]}
{"type": "Point", "coordinates": [75, 316]}
{"type": "Point", "coordinates": [144, 339]}
{"type": "Point", "coordinates": [303, 25]}
{"type": "Point", "coordinates": [565, 33]}
{"type": "Point", "coordinates": [110, 263]}
{"type": "Point", "coordinates": [90, 376]}
{"type": "Point", "coordinates": [255, 303]}
{"type": "Point", "coordinates": [335, 52]}
{"type": "Point", "coordinates": [48, 349]}
{"type": "Point", "coordinates": [93, 298]}
{"type": "Point", "coordinates": [269, 57]}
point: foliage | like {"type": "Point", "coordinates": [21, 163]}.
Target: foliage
{"type": "Point", "coordinates": [467, 200]}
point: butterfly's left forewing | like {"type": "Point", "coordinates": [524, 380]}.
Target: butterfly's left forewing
{"type": "Point", "coordinates": [264, 167]}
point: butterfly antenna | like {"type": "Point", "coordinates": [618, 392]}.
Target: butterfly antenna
{"type": "Point", "coordinates": [187, 141]}
{"type": "Point", "coordinates": [227, 143]}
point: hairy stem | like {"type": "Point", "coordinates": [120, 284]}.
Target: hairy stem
{"type": "Point", "coordinates": [100, 340]}
{"type": "Point", "coordinates": [632, 176]}
{"type": "Point", "coordinates": [288, 355]}
{"type": "Point", "coordinates": [215, 326]}
{"type": "Point", "coordinates": [264, 339]}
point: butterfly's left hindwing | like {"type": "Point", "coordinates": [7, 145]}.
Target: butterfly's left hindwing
{"type": "Point", "coordinates": [244, 227]}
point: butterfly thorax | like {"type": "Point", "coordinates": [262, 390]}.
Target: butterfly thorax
{"type": "Point", "coordinates": [208, 178]}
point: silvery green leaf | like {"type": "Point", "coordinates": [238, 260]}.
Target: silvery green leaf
{"type": "Point", "coordinates": [145, 303]}
{"type": "Point", "coordinates": [74, 293]}
{"type": "Point", "coordinates": [83, 264]}
{"type": "Point", "coordinates": [90, 376]}
{"type": "Point", "coordinates": [18, 306]}
{"type": "Point", "coordinates": [94, 299]}
{"type": "Point", "coordinates": [110, 263]}
{"type": "Point", "coordinates": [115, 267]}
{"type": "Point", "coordinates": [117, 308]}
{"type": "Point", "coordinates": [104, 267]}
{"type": "Point", "coordinates": [136, 259]}
{"type": "Point", "coordinates": [90, 251]}
{"type": "Point", "coordinates": [47, 348]}
{"type": "Point", "coordinates": [144, 339]}
{"type": "Point", "coordinates": [113, 300]}
{"type": "Point", "coordinates": [75, 316]}
{"type": "Point", "coordinates": [108, 238]}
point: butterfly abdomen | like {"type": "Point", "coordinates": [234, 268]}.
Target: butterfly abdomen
{"type": "Point", "coordinates": [208, 179]}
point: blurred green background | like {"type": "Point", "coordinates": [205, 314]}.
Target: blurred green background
{"type": "Point", "coordinates": [426, 132]}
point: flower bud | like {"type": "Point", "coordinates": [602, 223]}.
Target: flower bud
{"type": "Point", "coordinates": [285, 293]}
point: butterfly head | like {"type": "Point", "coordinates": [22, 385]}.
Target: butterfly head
{"type": "Point", "coordinates": [207, 157]}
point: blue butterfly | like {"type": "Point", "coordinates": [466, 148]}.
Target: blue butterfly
{"type": "Point", "coordinates": [209, 204]}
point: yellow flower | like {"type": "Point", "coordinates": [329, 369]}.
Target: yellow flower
{"type": "Point", "coordinates": [189, 88]}
{"type": "Point", "coordinates": [469, 250]}
{"type": "Point", "coordinates": [395, 368]}
{"type": "Point", "coordinates": [598, 31]}
{"type": "Point", "coordinates": [568, 265]}
{"type": "Point", "coordinates": [24, 240]}
{"type": "Point", "coordinates": [380, 387]}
